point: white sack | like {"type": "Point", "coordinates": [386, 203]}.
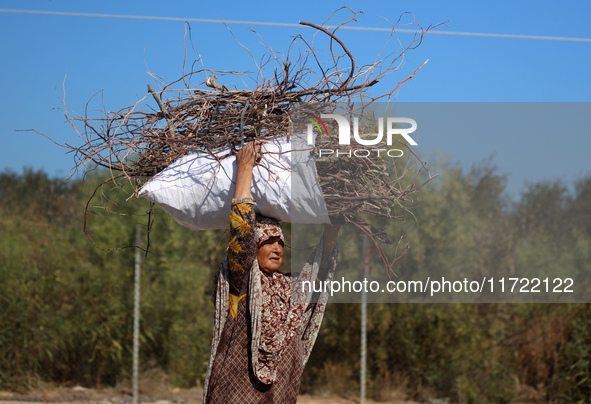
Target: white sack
{"type": "Point", "coordinates": [197, 190]}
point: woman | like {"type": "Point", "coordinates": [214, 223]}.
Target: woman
{"type": "Point", "coordinates": [265, 326]}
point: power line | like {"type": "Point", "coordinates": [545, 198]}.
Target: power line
{"type": "Point", "coordinates": [279, 24]}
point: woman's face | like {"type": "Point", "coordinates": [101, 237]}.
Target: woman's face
{"type": "Point", "coordinates": [270, 255]}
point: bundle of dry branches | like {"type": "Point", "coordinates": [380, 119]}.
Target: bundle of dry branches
{"type": "Point", "coordinates": [136, 144]}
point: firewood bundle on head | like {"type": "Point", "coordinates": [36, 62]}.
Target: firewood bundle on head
{"type": "Point", "coordinates": [135, 144]}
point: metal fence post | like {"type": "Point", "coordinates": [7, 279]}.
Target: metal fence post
{"type": "Point", "coordinates": [364, 320]}
{"type": "Point", "coordinates": [136, 313]}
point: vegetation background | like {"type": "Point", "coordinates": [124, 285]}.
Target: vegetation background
{"type": "Point", "coordinates": [66, 307]}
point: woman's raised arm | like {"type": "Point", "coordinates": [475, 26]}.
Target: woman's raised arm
{"type": "Point", "coordinates": [245, 161]}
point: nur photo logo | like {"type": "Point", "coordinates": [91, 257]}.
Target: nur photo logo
{"type": "Point", "coordinates": [382, 140]}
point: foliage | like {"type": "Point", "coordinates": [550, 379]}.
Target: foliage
{"type": "Point", "coordinates": [66, 306]}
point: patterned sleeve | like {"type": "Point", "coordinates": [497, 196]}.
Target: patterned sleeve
{"type": "Point", "coordinates": [242, 249]}
{"type": "Point", "coordinates": [315, 311]}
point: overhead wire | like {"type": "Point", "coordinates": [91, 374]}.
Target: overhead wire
{"type": "Point", "coordinates": [280, 24]}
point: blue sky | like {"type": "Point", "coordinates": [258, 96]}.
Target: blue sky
{"type": "Point", "coordinates": [41, 53]}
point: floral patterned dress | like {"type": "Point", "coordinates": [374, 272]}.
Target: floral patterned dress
{"type": "Point", "coordinates": [263, 332]}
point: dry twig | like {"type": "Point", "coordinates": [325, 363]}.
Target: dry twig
{"type": "Point", "coordinates": [136, 143]}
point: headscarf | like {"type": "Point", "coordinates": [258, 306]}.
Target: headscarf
{"type": "Point", "coordinates": [266, 228]}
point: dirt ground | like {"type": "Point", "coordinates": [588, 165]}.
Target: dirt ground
{"type": "Point", "coordinates": [78, 394]}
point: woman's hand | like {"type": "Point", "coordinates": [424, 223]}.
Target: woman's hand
{"type": "Point", "coordinates": [248, 155]}
{"type": "Point", "coordinates": [245, 161]}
